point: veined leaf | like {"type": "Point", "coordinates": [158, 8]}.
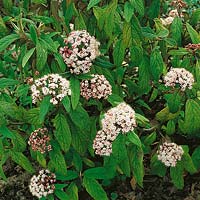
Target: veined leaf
{"type": "Point", "coordinates": [72, 191]}
{"type": "Point", "coordinates": [133, 137]}
{"type": "Point", "coordinates": [41, 56]}
{"type": "Point", "coordinates": [22, 160]}
{"type": "Point", "coordinates": [27, 56]}
{"type": "Point", "coordinates": [92, 3]}
{"type": "Point", "coordinates": [195, 37]}
{"type": "Point", "coordinates": [62, 132]}
{"type": "Point", "coordinates": [6, 82]}
{"type": "Point", "coordinates": [7, 40]}
{"type": "Point", "coordinates": [44, 107]}
{"type": "Point", "coordinates": [75, 88]}
{"type": "Point", "coordinates": [118, 53]}
{"type": "Point", "coordinates": [94, 189]}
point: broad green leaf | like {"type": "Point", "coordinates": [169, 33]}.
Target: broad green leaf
{"type": "Point", "coordinates": [196, 158]}
{"type": "Point", "coordinates": [178, 52]}
{"type": "Point", "coordinates": [33, 33]}
{"type": "Point", "coordinates": [27, 56]}
{"type": "Point", "coordinates": [77, 161]}
{"type": "Point", "coordinates": [57, 161]}
{"type": "Point", "coordinates": [80, 118]}
{"type": "Point", "coordinates": [44, 107]}
{"type": "Point", "coordinates": [71, 175]}
{"type": "Point", "coordinates": [133, 138]}
{"type": "Point", "coordinates": [94, 189]}
{"type": "Point", "coordinates": [156, 64]}
{"type": "Point", "coordinates": [66, 103]}
{"type": "Point", "coordinates": [41, 159]}
{"type": "Point", "coordinates": [154, 9]}
{"type": "Point", "coordinates": [5, 132]}
{"type": "Point", "coordinates": [173, 102]}
{"type": "Point", "coordinates": [176, 30]}
{"type": "Point", "coordinates": [128, 11]}
{"type": "Point", "coordinates": [99, 173]}
{"type": "Point", "coordinates": [118, 53]}
{"type": "Point", "coordinates": [22, 160]}
{"type": "Point", "coordinates": [75, 88]}
{"type": "Point", "coordinates": [194, 35]}
{"type": "Point", "coordinates": [136, 30]}
{"type": "Point", "coordinates": [41, 56]}
{"type": "Point", "coordinates": [150, 139]}
{"type": "Point", "coordinates": [60, 62]}
{"type": "Point", "coordinates": [191, 123]}
{"type": "Point", "coordinates": [136, 55]}
{"type": "Point", "coordinates": [114, 99]}
{"type": "Point", "coordinates": [171, 128]}
{"type": "Point", "coordinates": [136, 161]}
{"type": "Point", "coordinates": [32, 116]}
{"type": "Point", "coordinates": [138, 6]}
{"type": "Point", "coordinates": [7, 40]}
{"type": "Point", "coordinates": [62, 132]}
{"type": "Point", "coordinates": [176, 174]}
{"type": "Point", "coordinates": [61, 194]}
{"type": "Point", "coordinates": [72, 191]}
{"type": "Point", "coordinates": [148, 32]}
{"type": "Point", "coordinates": [188, 164]}
{"type": "Point", "coordinates": [157, 167]}
{"type": "Point", "coordinates": [18, 142]}
{"type": "Point", "coordinates": [195, 18]}
{"type": "Point", "coordinates": [92, 3]}
{"type": "Point", "coordinates": [6, 82]}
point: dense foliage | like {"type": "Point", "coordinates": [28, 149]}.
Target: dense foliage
{"type": "Point", "coordinates": [95, 91]}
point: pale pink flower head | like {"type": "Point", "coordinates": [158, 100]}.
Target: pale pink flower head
{"type": "Point", "coordinates": [179, 76]}
{"type": "Point", "coordinates": [42, 184]}
{"type": "Point", "coordinates": [166, 21]}
{"type": "Point", "coordinates": [39, 140]}
{"type": "Point", "coordinates": [79, 51]}
{"type": "Point", "coordinates": [169, 154]}
{"type": "Point", "coordinates": [98, 87]}
{"type": "Point", "coordinates": [53, 85]}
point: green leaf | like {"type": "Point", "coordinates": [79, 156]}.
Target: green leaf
{"type": "Point", "coordinates": [27, 56]}
{"type": "Point", "coordinates": [62, 132]}
{"type": "Point", "coordinates": [41, 56]}
{"type": "Point", "coordinates": [80, 118]}
{"type": "Point", "coordinates": [92, 3]}
{"type": "Point", "coordinates": [33, 33]}
{"type": "Point", "coordinates": [6, 132]}
{"type": "Point", "coordinates": [72, 191]}
{"type": "Point", "coordinates": [118, 53]}
{"type": "Point", "coordinates": [128, 11]}
{"type": "Point", "coordinates": [194, 35]}
{"type": "Point", "coordinates": [139, 6]}
{"type": "Point", "coordinates": [41, 159]}
{"type": "Point", "coordinates": [32, 116]}
{"type": "Point", "coordinates": [188, 164]}
{"type": "Point", "coordinates": [71, 175]}
{"type": "Point", "coordinates": [156, 64]}
{"type": "Point", "coordinates": [191, 123]}
{"type": "Point", "coordinates": [173, 101]}
{"type": "Point", "coordinates": [176, 174]}
{"type": "Point", "coordinates": [75, 88]}
{"type": "Point", "coordinates": [176, 30]}
{"type": "Point", "coordinates": [157, 167]}
{"type": "Point", "coordinates": [19, 143]}
{"type": "Point", "coordinates": [94, 189]}
{"type": "Point", "coordinates": [44, 108]}
{"type": "Point", "coordinates": [137, 168]}
{"type": "Point", "coordinates": [136, 54]}
{"type": "Point", "coordinates": [171, 128]}
{"type": "Point", "coordinates": [60, 62]}
{"type": "Point", "coordinates": [7, 40]}
{"type": "Point", "coordinates": [99, 173]}
{"type": "Point", "coordinates": [22, 160]}
{"type": "Point", "coordinates": [66, 103]}
{"type": "Point", "coordinates": [178, 52]}
{"type": "Point", "coordinates": [114, 99]}
{"type": "Point", "coordinates": [150, 139]}
{"type": "Point", "coordinates": [6, 82]}
{"type": "Point", "coordinates": [57, 160]}
{"type": "Point", "coordinates": [196, 158]}
{"type": "Point", "coordinates": [61, 194]}
{"type": "Point", "coordinates": [133, 137]}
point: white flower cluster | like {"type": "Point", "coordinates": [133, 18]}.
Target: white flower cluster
{"type": "Point", "coordinates": [80, 50]}
{"type": "Point", "coordinates": [43, 184]}
{"type": "Point", "coordinates": [52, 84]}
{"type": "Point", "coordinates": [98, 87]}
{"type": "Point", "coordinates": [170, 153]}
{"type": "Point", "coordinates": [172, 14]}
{"type": "Point", "coordinates": [179, 76]}
{"type": "Point", "coordinates": [39, 140]}
{"type": "Point", "coordinates": [118, 119]}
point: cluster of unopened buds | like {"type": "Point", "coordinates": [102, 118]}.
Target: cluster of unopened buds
{"type": "Point", "coordinates": [172, 14]}
{"type": "Point", "coordinates": [179, 76]}
{"type": "Point", "coordinates": [98, 87]}
{"type": "Point", "coordinates": [52, 84]}
{"type": "Point", "coordinates": [118, 119]}
{"type": "Point", "coordinates": [193, 47]}
{"type": "Point", "coordinates": [170, 153]}
{"type": "Point", "coordinates": [39, 140]}
{"type": "Point", "coordinates": [43, 184]}
{"type": "Point", "coordinates": [79, 51]}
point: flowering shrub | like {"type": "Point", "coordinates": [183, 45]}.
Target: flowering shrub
{"type": "Point", "coordinates": [115, 83]}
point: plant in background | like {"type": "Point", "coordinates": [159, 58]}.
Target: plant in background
{"type": "Point", "coordinates": [114, 52]}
